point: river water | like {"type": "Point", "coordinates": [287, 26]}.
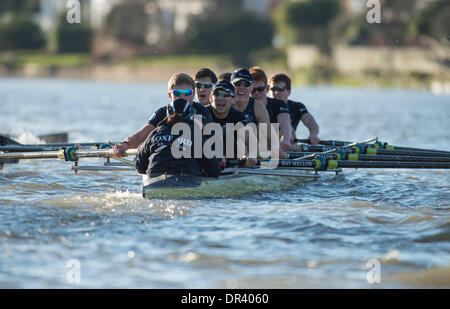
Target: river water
{"type": "Point", "coordinates": [93, 230]}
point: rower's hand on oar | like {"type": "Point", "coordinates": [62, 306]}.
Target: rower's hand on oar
{"type": "Point", "coordinates": [283, 155]}
{"type": "Point", "coordinates": [223, 164]}
{"type": "Point", "coordinates": [295, 147]}
{"type": "Point", "coordinates": [250, 162]}
{"type": "Point", "coordinates": [314, 139]}
{"type": "Point", "coordinates": [284, 144]}
{"type": "Point", "coordinates": [119, 149]}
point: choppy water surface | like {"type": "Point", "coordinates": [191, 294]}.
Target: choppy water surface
{"type": "Point", "coordinates": [322, 234]}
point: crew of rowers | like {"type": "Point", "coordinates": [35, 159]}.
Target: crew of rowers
{"type": "Point", "coordinates": [240, 97]}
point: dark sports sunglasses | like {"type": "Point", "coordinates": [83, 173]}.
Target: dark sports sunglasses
{"type": "Point", "coordinates": [275, 88]}
{"type": "Point", "coordinates": [206, 85]}
{"type": "Point", "coordinates": [259, 89]}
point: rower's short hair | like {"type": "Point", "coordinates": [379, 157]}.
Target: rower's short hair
{"type": "Point", "coordinates": [180, 79]}
{"type": "Point", "coordinates": [278, 78]}
{"type": "Point", "coordinates": [205, 72]}
{"type": "Point", "coordinates": [226, 75]}
{"type": "Point", "coordinates": [258, 74]}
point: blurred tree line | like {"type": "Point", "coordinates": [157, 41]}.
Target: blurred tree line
{"type": "Point", "coordinates": [225, 27]}
{"type": "Point", "coordinates": [311, 22]}
{"type": "Point", "coordinates": [20, 29]}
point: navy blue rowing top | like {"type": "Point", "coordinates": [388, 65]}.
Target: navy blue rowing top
{"type": "Point", "coordinates": [234, 116]}
{"type": "Point", "coordinates": [296, 111]}
{"type": "Point", "coordinates": [249, 112]}
{"type": "Point", "coordinates": [275, 107]}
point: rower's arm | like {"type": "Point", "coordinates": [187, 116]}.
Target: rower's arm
{"type": "Point", "coordinates": [139, 137]}
{"type": "Point", "coordinates": [285, 130]}
{"type": "Point", "coordinates": [309, 121]}
{"type": "Point", "coordinates": [134, 140]}
{"type": "Point", "coordinates": [247, 140]}
{"type": "Point", "coordinates": [293, 135]}
{"type": "Point", "coordinates": [262, 116]}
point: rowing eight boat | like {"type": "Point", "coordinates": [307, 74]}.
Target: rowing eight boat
{"type": "Point", "coordinates": [298, 166]}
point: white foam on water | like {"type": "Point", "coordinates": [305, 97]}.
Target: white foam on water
{"type": "Point", "coordinates": [26, 137]}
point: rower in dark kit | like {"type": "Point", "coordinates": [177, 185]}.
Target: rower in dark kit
{"type": "Point", "coordinates": [280, 88]}
{"type": "Point", "coordinates": [277, 109]}
{"type": "Point", "coordinates": [253, 110]}
{"type": "Point", "coordinates": [204, 82]}
{"type": "Point", "coordinates": [224, 113]}
{"type": "Point", "coordinates": [180, 85]}
{"type": "Point", "coordinates": [156, 157]}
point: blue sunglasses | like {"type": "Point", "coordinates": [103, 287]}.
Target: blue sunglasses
{"type": "Point", "coordinates": [182, 93]}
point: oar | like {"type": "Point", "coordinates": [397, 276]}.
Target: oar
{"type": "Point", "coordinates": [323, 164]}
{"type": "Point", "coordinates": [5, 140]}
{"type": "Point", "coordinates": [363, 157]}
{"type": "Point", "coordinates": [270, 172]}
{"type": "Point", "coordinates": [115, 158]}
{"type": "Point", "coordinates": [361, 149]}
{"type": "Point", "coordinates": [330, 149]}
{"type": "Point", "coordinates": [323, 142]}
{"type": "Point", "coordinates": [390, 147]}
{"type": "Point", "coordinates": [8, 144]}
{"type": "Point", "coordinates": [379, 145]}
{"type": "Point", "coordinates": [103, 168]}
{"type": "Point", "coordinates": [46, 147]}
{"type": "Point", "coordinates": [69, 154]}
